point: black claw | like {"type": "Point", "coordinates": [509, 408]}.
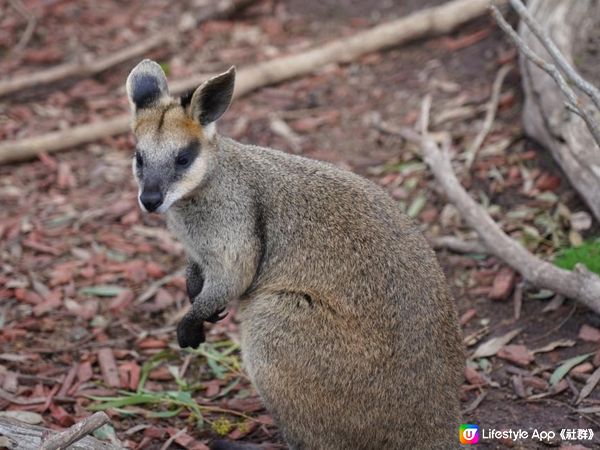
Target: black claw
{"type": "Point", "coordinates": [218, 315]}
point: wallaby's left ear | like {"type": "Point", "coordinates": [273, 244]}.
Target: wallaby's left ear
{"type": "Point", "coordinates": [212, 98]}
{"type": "Point", "coordinates": [146, 85]}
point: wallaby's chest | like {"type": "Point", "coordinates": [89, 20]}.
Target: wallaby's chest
{"type": "Point", "coordinates": [197, 234]}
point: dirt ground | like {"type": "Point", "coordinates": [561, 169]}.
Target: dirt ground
{"type": "Point", "coordinates": [90, 285]}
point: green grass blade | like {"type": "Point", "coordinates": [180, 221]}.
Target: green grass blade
{"type": "Point", "coordinates": [137, 399]}
{"type": "Point", "coordinates": [566, 366]}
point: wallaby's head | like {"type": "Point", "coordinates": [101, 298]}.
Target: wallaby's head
{"type": "Point", "coordinates": [175, 149]}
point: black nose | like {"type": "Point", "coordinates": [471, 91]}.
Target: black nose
{"type": "Point", "coordinates": [151, 200]}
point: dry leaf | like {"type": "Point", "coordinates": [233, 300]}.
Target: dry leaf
{"type": "Point", "coordinates": [554, 345]}
{"type": "Point", "coordinates": [589, 386]}
{"type": "Point", "coordinates": [32, 418]}
{"type": "Point", "coordinates": [492, 346]}
{"type": "Point", "coordinates": [589, 334]}
{"type": "Point", "coordinates": [473, 377]}
{"type": "Point", "coordinates": [517, 354]}
{"type": "Point", "coordinates": [536, 383]}
{"type": "Point", "coordinates": [504, 282]}
{"type": "Point", "coordinates": [467, 316]}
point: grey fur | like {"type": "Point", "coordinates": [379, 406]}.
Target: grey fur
{"type": "Point", "coordinates": [348, 331]}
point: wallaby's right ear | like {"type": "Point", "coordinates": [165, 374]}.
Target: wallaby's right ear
{"type": "Point", "coordinates": [146, 85]}
{"type": "Point", "coordinates": [212, 98]}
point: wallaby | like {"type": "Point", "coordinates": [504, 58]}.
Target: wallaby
{"type": "Point", "coordinates": [348, 331]}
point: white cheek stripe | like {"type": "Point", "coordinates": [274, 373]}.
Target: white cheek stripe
{"type": "Point", "coordinates": [167, 203]}
{"type": "Point", "coordinates": [142, 207]}
{"type": "Point", "coordinates": [209, 130]}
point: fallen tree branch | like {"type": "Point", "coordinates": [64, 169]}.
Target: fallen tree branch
{"type": "Point", "coordinates": [94, 65]}
{"type": "Point", "coordinates": [568, 133]}
{"type": "Point", "coordinates": [59, 140]}
{"type": "Point", "coordinates": [574, 102]}
{"type": "Point", "coordinates": [85, 67]}
{"type": "Point", "coordinates": [573, 76]}
{"type": "Point", "coordinates": [579, 284]}
{"type": "Point", "coordinates": [23, 436]}
{"type": "Point", "coordinates": [490, 115]}
{"type": "Point", "coordinates": [431, 21]}
{"type": "Point", "coordinates": [76, 432]}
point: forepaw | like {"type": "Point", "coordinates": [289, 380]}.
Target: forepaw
{"type": "Point", "coordinates": [190, 332]}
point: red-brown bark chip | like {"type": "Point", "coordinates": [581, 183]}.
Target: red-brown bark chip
{"type": "Point", "coordinates": [108, 366]}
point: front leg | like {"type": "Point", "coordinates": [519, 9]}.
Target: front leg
{"type": "Point", "coordinates": [192, 334]}
{"type": "Point", "coordinates": [194, 281]}
{"type": "Point", "coordinates": [210, 291]}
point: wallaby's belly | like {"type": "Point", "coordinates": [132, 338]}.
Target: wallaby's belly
{"type": "Point", "coordinates": [338, 382]}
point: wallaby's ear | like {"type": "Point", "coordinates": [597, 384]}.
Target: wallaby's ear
{"type": "Point", "coordinates": [146, 84]}
{"type": "Point", "coordinates": [212, 98]}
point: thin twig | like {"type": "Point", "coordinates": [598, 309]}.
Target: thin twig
{"type": "Point", "coordinates": [424, 117]}
{"type": "Point", "coordinates": [154, 287]}
{"type": "Point", "coordinates": [475, 403]}
{"type": "Point", "coordinates": [490, 116]}
{"type": "Point", "coordinates": [579, 284]}
{"type": "Point", "coordinates": [574, 77]}
{"type": "Point", "coordinates": [185, 365]}
{"type": "Point", "coordinates": [169, 441]}
{"type": "Point", "coordinates": [554, 329]}
{"type": "Point", "coordinates": [518, 300]}
{"type": "Point", "coordinates": [405, 133]}
{"type": "Point", "coordinates": [31, 23]}
{"type": "Point", "coordinates": [18, 400]}
{"type": "Point", "coordinates": [76, 432]}
{"type": "Point", "coordinates": [228, 411]}
{"type": "Point", "coordinates": [551, 70]}
{"type": "Point", "coordinates": [575, 410]}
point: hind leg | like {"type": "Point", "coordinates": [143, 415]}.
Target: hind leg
{"type": "Point", "coordinates": [319, 381]}
{"type": "Point", "coordinates": [333, 381]}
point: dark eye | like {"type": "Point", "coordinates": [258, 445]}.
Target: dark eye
{"type": "Point", "coordinates": [138, 159]}
{"type": "Point", "coordinates": [183, 160]}
{"type": "Point", "coordinates": [187, 155]}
